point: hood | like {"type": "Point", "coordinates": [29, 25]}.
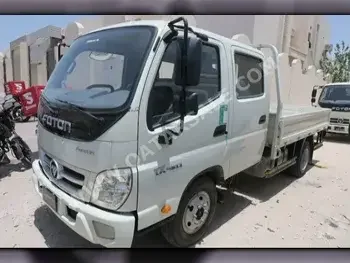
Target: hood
{"type": "Point", "coordinates": [75, 122]}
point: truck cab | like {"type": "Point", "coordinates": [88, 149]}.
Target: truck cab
{"type": "Point", "coordinates": [137, 129]}
{"type": "Point", "coordinates": [335, 96]}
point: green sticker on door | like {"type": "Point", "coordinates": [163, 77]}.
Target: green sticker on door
{"type": "Point", "coordinates": [223, 114]}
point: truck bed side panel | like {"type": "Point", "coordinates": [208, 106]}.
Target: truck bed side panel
{"type": "Point", "coordinates": [297, 123]}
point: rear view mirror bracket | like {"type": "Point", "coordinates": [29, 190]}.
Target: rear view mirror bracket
{"type": "Point", "coordinates": [187, 66]}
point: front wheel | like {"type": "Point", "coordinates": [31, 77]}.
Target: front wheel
{"type": "Point", "coordinates": [22, 151]}
{"type": "Point", "coordinates": [195, 213]}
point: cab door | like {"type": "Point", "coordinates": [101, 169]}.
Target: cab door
{"type": "Point", "coordinates": [249, 109]}
{"type": "Point", "coordinates": [166, 170]}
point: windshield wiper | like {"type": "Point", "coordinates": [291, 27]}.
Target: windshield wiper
{"type": "Point", "coordinates": [77, 108]}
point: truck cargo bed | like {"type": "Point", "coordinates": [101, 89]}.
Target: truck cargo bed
{"type": "Point", "coordinates": [296, 122]}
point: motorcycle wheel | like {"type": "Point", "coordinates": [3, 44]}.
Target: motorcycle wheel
{"type": "Point", "coordinates": [18, 115]}
{"type": "Point", "coordinates": [27, 154]}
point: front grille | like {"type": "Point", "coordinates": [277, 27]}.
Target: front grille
{"type": "Point", "coordinates": [67, 177]}
{"type": "Point", "coordinates": [339, 121]}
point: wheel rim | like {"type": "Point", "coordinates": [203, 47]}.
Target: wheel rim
{"type": "Point", "coordinates": [304, 159]}
{"type": "Point", "coordinates": [196, 212]}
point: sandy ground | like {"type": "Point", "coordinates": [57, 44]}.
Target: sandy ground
{"type": "Point", "coordinates": [280, 212]}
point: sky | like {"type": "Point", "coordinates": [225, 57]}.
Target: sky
{"type": "Point", "coordinates": [337, 22]}
{"type": "Point", "coordinates": [19, 25]}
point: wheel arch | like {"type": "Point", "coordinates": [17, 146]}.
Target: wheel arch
{"type": "Point", "coordinates": [215, 173]}
{"type": "Point", "coordinates": [299, 145]}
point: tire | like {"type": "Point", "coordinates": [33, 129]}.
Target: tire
{"type": "Point", "coordinates": [28, 155]}
{"type": "Point", "coordinates": [300, 167]}
{"type": "Point", "coordinates": [26, 151]}
{"type": "Point", "coordinates": [177, 232]}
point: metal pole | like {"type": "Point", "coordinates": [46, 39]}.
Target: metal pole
{"type": "Point", "coordinates": [274, 50]}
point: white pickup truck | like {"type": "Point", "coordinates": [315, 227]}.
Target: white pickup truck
{"type": "Point", "coordinates": [139, 130]}
{"type": "Point", "coordinates": [335, 96]}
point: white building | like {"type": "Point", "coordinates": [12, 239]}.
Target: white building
{"type": "Point", "coordinates": [303, 37]}
{"type": "Point", "coordinates": [30, 58]}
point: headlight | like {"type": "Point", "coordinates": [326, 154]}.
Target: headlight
{"type": "Point", "coordinates": [112, 188]}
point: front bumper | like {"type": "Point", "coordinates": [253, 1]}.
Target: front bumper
{"type": "Point", "coordinates": [338, 129]}
{"type": "Point", "coordinates": [95, 225]}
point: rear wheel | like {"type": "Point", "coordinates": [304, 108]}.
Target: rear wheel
{"type": "Point", "coordinates": [303, 160]}
{"type": "Point", "coordinates": [195, 213]}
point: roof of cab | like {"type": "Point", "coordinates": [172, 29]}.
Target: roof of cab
{"type": "Point", "coordinates": [161, 24]}
{"type": "Point", "coordinates": [338, 84]}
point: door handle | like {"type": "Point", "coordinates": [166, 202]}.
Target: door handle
{"type": "Point", "coordinates": [220, 130]}
{"type": "Point", "coordinates": [262, 119]}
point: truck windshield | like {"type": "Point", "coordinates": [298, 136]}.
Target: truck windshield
{"type": "Point", "coordinates": [335, 93]}
{"type": "Point", "coordinates": [101, 69]}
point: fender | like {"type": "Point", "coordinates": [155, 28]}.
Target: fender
{"type": "Point", "coordinates": [216, 173]}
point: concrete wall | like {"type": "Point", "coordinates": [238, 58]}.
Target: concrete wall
{"type": "Point", "coordinates": [39, 43]}
{"type": "Point", "coordinates": [323, 38]}
{"type": "Point", "coordinates": [38, 63]}
{"type": "Point", "coordinates": [228, 25]}
{"type": "Point", "coordinates": [19, 59]}
{"type": "Point", "coordinates": [24, 64]}
{"type": "Point", "coordinates": [20, 65]}
{"type": "Point", "coordinates": [2, 73]}
{"type": "Point", "coordinates": [318, 28]}
{"type": "Point", "coordinates": [8, 65]}
{"type": "Point", "coordinates": [267, 30]}
{"type": "Point", "coordinates": [214, 23]}
{"type": "Point", "coordinates": [296, 86]}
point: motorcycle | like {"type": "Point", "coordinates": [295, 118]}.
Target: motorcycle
{"type": "Point", "coordinates": [9, 139]}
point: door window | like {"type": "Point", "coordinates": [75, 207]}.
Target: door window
{"type": "Point", "coordinates": [208, 89]}
{"type": "Point", "coordinates": [250, 76]}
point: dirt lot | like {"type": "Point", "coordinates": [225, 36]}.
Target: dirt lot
{"type": "Point", "coordinates": [280, 212]}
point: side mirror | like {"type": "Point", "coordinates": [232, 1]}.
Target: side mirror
{"type": "Point", "coordinates": [192, 104]}
{"type": "Point", "coordinates": [194, 62]}
{"type": "Point", "coordinates": [314, 93]}
{"type": "Point", "coordinates": [313, 100]}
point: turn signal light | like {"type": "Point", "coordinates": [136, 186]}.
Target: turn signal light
{"type": "Point", "coordinates": [166, 209]}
